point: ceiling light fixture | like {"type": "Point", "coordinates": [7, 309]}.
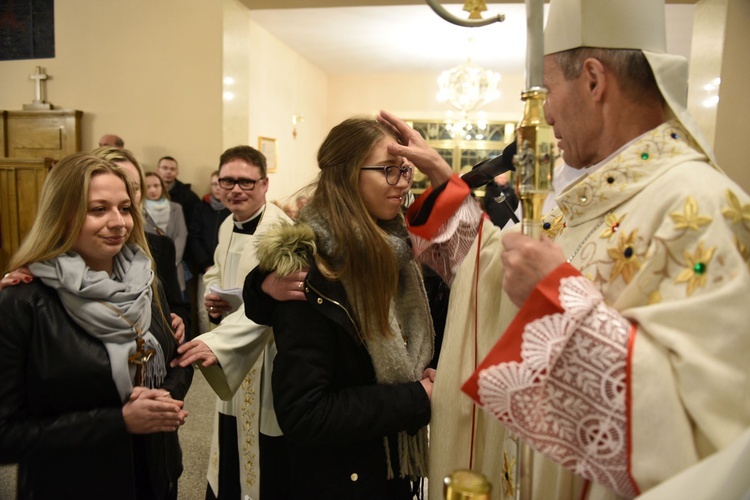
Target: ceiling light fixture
{"type": "Point", "coordinates": [468, 86]}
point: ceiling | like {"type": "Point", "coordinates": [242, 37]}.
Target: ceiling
{"type": "Point", "coordinates": [413, 38]}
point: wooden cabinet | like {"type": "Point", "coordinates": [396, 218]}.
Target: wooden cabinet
{"type": "Point", "coordinates": [21, 183]}
{"type": "Point", "coordinates": [52, 133]}
{"type": "Point", "coordinates": [30, 143]}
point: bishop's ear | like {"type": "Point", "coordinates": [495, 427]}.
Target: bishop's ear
{"type": "Point", "coordinates": [595, 75]}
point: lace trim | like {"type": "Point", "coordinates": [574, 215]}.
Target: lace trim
{"type": "Point", "coordinates": [452, 242]}
{"type": "Point", "coordinates": [567, 397]}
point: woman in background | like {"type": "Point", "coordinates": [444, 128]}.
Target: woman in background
{"type": "Point", "coordinates": [89, 406]}
{"type": "Point", "coordinates": [165, 218]}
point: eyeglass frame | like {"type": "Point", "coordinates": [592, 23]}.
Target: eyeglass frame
{"type": "Point", "coordinates": [403, 169]}
{"type": "Point", "coordinates": [236, 182]}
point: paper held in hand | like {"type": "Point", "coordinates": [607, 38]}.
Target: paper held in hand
{"type": "Point", "coordinates": [232, 295]}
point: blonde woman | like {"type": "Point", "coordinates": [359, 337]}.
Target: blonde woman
{"type": "Point", "coordinates": [161, 247]}
{"type": "Point", "coordinates": [89, 405]}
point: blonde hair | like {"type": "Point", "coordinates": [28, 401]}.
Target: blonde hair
{"type": "Point", "coordinates": [63, 207]}
{"type": "Point", "coordinates": [370, 265]}
{"type": "Point", "coordinates": [121, 155]}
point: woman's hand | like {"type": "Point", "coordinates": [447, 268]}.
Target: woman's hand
{"type": "Point", "coordinates": [428, 381]}
{"type": "Point", "coordinates": [13, 278]}
{"type": "Point", "coordinates": [152, 410]}
{"type": "Point", "coordinates": [288, 288]}
{"type": "Point", "coordinates": [178, 327]}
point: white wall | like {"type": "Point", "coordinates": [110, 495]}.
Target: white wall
{"type": "Point", "coordinates": [137, 70]}
{"type": "Point", "coordinates": [410, 97]}
{"type": "Point", "coordinates": [280, 84]}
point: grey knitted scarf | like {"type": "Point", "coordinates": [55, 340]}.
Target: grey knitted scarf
{"type": "Point", "coordinates": [404, 356]}
{"type": "Point", "coordinates": [85, 295]}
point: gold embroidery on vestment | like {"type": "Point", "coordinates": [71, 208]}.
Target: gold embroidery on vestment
{"type": "Point", "coordinates": [249, 425]}
{"type": "Point", "coordinates": [690, 218]}
{"type": "Point", "coordinates": [736, 211]}
{"type": "Point", "coordinates": [626, 261]}
{"type": "Point", "coordinates": [695, 273]}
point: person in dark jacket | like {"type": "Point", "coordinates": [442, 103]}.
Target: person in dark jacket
{"type": "Point", "coordinates": [203, 233]}
{"type": "Point", "coordinates": [203, 236]}
{"type": "Point", "coordinates": [179, 192]}
{"type": "Point", "coordinates": [89, 405]}
{"type": "Point", "coordinates": [351, 389]}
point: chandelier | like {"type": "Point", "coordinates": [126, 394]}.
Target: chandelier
{"type": "Point", "coordinates": [468, 86]}
{"type": "Point", "coordinates": [467, 126]}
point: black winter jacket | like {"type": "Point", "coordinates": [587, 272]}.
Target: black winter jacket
{"type": "Point", "coordinates": [203, 233]}
{"type": "Point", "coordinates": [60, 412]}
{"type": "Point", "coordinates": [333, 412]}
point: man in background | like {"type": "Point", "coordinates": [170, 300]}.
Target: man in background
{"type": "Point", "coordinates": [248, 451]}
{"type": "Point", "coordinates": [179, 192]}
{"type": "Point", "coordinates": [112, 141]}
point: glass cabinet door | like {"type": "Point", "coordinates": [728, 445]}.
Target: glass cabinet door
{"type": "Point", "coordinates": [462, 145]}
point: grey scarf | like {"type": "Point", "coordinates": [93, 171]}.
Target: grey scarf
{"type": "Point", "coordinates": [404, 356]}
{"type": "Point", "coordinates": [89, 298]}
{"type": "Point", "coordinates": [159, 211]}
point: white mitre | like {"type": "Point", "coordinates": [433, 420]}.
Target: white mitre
{"type": "Point", "coordinates": [626, 24]}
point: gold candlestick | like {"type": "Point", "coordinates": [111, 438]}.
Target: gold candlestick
{"type": "Point", "coordinates": [466, 485]}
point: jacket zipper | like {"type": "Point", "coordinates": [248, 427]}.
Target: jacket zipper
{"type": "Point", "coordinates": [336, 303]}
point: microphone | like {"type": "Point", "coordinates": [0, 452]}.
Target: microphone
{"type": "Point", "coordinates": [485, 171]}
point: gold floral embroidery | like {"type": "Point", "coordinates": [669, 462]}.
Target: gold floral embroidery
{"type": "Point", "coordinates": [508, 476]}
{"type": "Point", "coordinates": [248, 422]}
{"type": "Point", "coordinates": [612, 222]}
{"type": "Point", "coordinates": [654, 297]}
{"type": "Point", "coordinates": [690, 218]}
{"type": "Point", "coordinates": [742, 248]}
{"type": "Point", "coordinates": [736, 211]}
{"type": "Point", "coordinates": [554, 227]}
{"type": "Point", "coordinates": [695, 274]}
{"type": "Point", "coordinates": [626, 262]}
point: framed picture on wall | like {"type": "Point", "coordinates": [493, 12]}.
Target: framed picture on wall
{"type": "Point", "coordinates": [267, 146]}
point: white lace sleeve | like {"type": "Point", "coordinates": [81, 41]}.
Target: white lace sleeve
{"type": "Point", "coordinates": [567, 396]}
{"type": "Point", "coordinates": [447, 249]}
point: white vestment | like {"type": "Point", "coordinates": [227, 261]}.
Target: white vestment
{"type": "Point", "coordinates": [245, 351]}
{"type": "Point", "coordinates": [643, 370]}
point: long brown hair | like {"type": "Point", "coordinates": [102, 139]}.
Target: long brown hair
{"type": "Point", "coordinates": [369, 264]}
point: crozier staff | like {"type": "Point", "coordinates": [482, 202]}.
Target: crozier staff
{"type": "Point", "coordinates": [89, 406]}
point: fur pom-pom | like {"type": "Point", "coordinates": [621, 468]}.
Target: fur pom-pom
{"type": "Point", "coordinates": [286, 248]}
